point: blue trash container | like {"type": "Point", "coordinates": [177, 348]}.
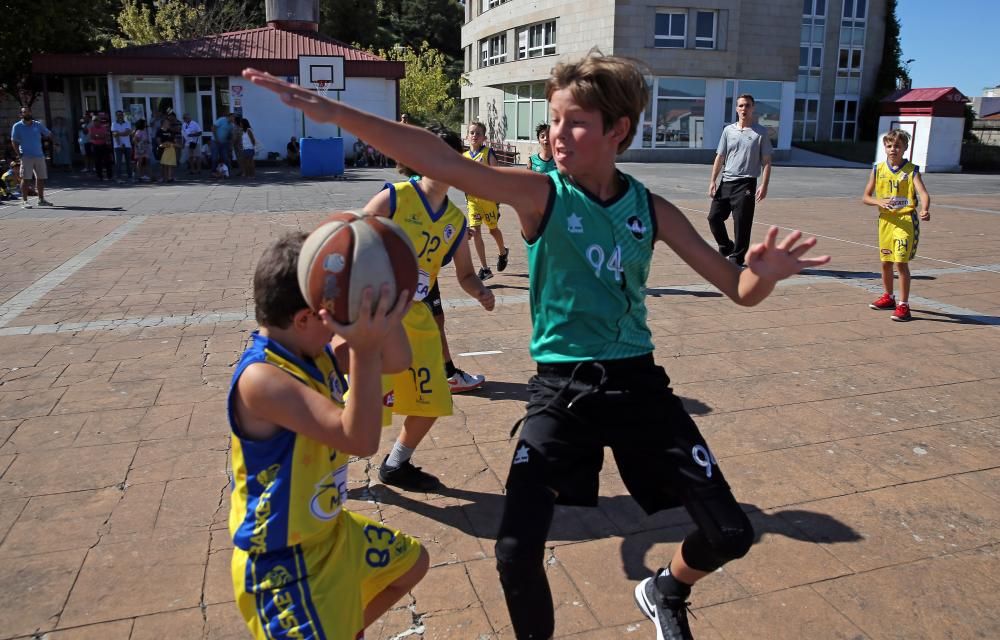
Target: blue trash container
{"type": "Point", "coordinates": [321, 157]}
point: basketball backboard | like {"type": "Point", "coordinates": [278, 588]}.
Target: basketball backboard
{"type": "Point", "coordinates": [322, 70]}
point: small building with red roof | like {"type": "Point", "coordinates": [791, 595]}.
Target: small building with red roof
{"type": "Point", "coordinates": [202, 77]}
{"type": "Point", "coordinates": [935, 120]}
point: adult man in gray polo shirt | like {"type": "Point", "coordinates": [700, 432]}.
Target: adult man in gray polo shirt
{"type": "Point", "coordinates": [26, 138]}
{"type": "Point", "coordinates": [744, 150]}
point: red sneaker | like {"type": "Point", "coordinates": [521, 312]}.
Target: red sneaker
{"type": "Point", "coordinates": [885, 303]}
{"type": "Point", "coordinates": [902, 313]}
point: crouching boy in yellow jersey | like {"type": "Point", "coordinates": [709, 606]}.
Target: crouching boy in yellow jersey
{"type": "Point", "coordinates": [896, 188]}
{"type": "Point", "coordinates": [303, 566]}
{"type": "Point", "coordinates": [437, 229]}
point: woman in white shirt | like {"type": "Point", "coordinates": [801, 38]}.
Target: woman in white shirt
{"type": "Point", "coordinates": [248, 166]}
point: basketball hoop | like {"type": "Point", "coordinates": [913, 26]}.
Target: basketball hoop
{"type": "Point", "coordinates": [322, 87]}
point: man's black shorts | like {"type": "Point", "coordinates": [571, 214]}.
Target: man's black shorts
{"type": "Point", "coordinates": [433, 300]}
{"type": "Point", "coordinates": [626, 405]}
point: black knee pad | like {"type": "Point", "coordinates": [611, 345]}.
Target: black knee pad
{"type": "Point", "coordinates": [724, 532]}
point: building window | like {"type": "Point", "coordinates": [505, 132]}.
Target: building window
{"type": "Point", "coordinates": [671, 29]}
{"type": "Point", "coordinates": [493, 50]}
{"type": "Point", "coordinates": [676, 118]}
{"type": "Point", "coordinates": [811, 46]}
{"type": "Point", "coordinates": [849, 65]}
{"type": "Point", "coordinates": [845, 115]}
{"type": "Point", "coordinates": [814, 8]}
{"type": "Point", "coordinates": [855, 9]}
{"type": "Point", "coordinates": [536, 40]}
{"type": "Point", "coordinates": [486, 5]}
{"type": "Point", "coordinates": [705, 29]}
{"type": "Point", "coordinates": [806, 119]}
{"type": "Point", "coordinates": [524, 107]}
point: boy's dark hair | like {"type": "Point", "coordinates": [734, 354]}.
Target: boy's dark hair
{"type": "Point", "coordinates": [542, 126]}
{"type": "Point", "coordinates": [612, 85]}
{"type": "Point", "coordinates": [746, 96]}
{"type": "Point", "coordinates": [276, 294]}
{"type": "Point", "coordinates": [450, 137]}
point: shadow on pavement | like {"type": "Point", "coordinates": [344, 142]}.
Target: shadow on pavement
{"type": "Point", "coordinates": [956, 318]}
{"type": "Point", "coordinates": [854, 275]}
{"type": "Point", "coordinates": [614, 517]}
{"type": "Point", "coordinates": [666, 291]}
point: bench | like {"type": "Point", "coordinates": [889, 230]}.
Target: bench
{"type": "Point", "coordinates": [507, 154]}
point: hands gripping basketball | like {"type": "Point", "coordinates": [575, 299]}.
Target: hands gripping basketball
{"type": "Point", "coordinates": [374, 322]}
{"type": "Point", "coordinates": [775, 262]}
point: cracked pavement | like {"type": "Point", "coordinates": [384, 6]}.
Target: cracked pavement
{"type": "Point", "coordinates": [865, 452]}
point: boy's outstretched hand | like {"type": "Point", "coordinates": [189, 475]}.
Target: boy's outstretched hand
{"type": "Point", "coordinates": [778, 261]}
{"type": "Point", "coordinates": [315, 107]}
{"type": "Point", "coordinates": [369, 331]}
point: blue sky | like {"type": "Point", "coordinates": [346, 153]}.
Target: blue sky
{"type": "Point", "coordinates": [953, 43]}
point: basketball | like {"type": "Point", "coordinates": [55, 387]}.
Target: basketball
{"type": "Point", "coordinates": [350, 252]}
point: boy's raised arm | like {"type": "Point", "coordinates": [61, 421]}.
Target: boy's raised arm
{"type": "Point", "coordinates": [417, 148]}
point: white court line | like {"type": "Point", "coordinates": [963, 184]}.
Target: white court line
{"type": "Point", "coordinates": [860, 244]}
{"type": "Point", "coordinates": [481, 353]}
{"type": "Point", "coordinates": [23, 300]}
{"type": "Point", "coordinates": [953, 206]}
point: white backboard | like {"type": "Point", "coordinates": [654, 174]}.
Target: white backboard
{"type": "Point", "coordinates": [330, 69]}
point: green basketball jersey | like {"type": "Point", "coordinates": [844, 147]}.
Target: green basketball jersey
{"type": "Point", "coordinates": [535, 163]}
{"type": "Point", "coordinates": [588, 269]}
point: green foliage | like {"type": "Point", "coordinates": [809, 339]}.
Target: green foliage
{"type": "Point", "coordinates": [46, 26]}
{"type": "Point", "coordinates": [892, 74]}
{"type": "Point", "coordinates": [166, 20]}
{"type": "Point", "coordinates": [427, 91]}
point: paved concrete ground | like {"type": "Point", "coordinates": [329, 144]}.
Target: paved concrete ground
{"type": "Point", "coordinates": [866, 452]}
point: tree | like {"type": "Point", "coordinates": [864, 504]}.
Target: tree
{"type": "Point", "coordinates": [426, 93]}
{"type": "Point", "coordinates": [893, 73]}
{"type": "Point", "coordinates": [47, 26]}
{"type": "Point", "coordinates": [168, 20]}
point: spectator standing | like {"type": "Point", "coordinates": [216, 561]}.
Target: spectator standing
{"type": "Point", "coordinates": [26, 139]}
{"type": "Point", "coordinates": [248, 148]}
{"type": "Point", "coordinates": [121, 134]}
{"type": "Point", "coordinates": [222, 132]}
{"type": "Point", "coordinates": [141, 151]}
{"type": "Point", "coordinates": [83, 138]}
{"type": "Point", "coordinates": [62, 151]}
{"type": "Point", "coordinates": [744, 151]}
{"type": "Point", "coordinates": [191, 131]}
{"type": "Point", "coordinates": [167, 151]}
{"type": "Point", "coordinates": [294, 155]}
{"type": "Point", "coordinates": [100, 141]}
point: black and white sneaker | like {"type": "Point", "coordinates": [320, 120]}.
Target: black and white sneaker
{"type": "Point", "coordinates": [668, 614]}
{"type": "Point", "coordinates": [502, 260]}
{"type": "Point", "coordinates": [407, 477]}
{"type": "Point", "coordinates": [485, 273]}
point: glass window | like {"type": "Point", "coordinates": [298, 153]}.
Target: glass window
{"type": "Point", "coordinates": [805, 121]}
{"type": "Point", "coordinates": [493, 50]}
{"type": "Point", "coordinates": [189, 85]}
{"type": "Point", "coordinates": [147, 85]}
{"type": "Point", "coordinates": [204, 83]}
{"type": "Point", "coordinates": [845, 113]}
{"type": "Point", "coordinates": [489, 4]}
{"type": "Point", "coordinates": [679, 112]}
{"type": "Point", "coordinates": [671, 29]}
{"type": "Point", "coordinates": [537, 40]}
{"type": "Point", "coordinates": [704, 34]}
{"type": "Point", "coordinates": [524, 107]}
{"type": "Point", "coordinates": [814, 7]}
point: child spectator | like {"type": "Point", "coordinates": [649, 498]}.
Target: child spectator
{"type": "Point", "coordinates": [221, 170]}
{"type": "Point", "coordinates": [141, 151]}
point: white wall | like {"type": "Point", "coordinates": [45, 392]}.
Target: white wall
{"type": "Point", "coordinates": [274, 122]}
{"type": "Point", "coordinates": [936, 143]}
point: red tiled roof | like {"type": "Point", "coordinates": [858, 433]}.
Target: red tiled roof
{"type": "Point", "coordinates": [950, 94]}
{"type": "Point", "coordinates": [266, 48]}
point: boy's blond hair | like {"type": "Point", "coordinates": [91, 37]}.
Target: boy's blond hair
{"type": "Point", "coordinates": [480, 125]}
{"type": "Point", "coordinates": [897, 136]}
{"type": "Point", "coordinates": [613, 85]}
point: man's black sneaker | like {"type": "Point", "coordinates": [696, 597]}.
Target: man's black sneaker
{"type": "Point", "coordinates": [407, 477]}
{"type": "Point", "coordinates": [668, 614]}
{"type": "Point", "coordinates": [502, 260]}
{"type": "Point", "coordinates": [485, 274]}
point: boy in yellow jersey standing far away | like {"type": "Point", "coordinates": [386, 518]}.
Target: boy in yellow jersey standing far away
{"type": "Point", "coordinates": [304, 566]}
{"type": "Point", "coordinates": [589, 230]}
{"type": "Point", "coordinates": [481, 210]}
{"type": "Point", "coordinates": [896, 188]}
{"type": "Point", "coordinates": [437, 229]}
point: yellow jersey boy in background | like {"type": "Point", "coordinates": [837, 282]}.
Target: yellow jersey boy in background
{"type": "Point", "coordinates": [482, 211]}
{"type": "Point", "coordinates": [896, 188]}
{"type": "Point", "coordinates": [303, 566]}
{"type": "Point", "coordinates": [422, 393]}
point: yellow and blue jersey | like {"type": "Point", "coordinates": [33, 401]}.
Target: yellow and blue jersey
{"type": "Point", "coordinates": [289, 489]}
{"type": "Point", "coordinates": [896, 185]}
{"type": "Point", "coordinates": [483, 157]}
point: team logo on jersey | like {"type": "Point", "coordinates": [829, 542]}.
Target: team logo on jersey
{"type": "Point", "coordinates": [413, 219]}
{"type": "Point", "coordinates": [330, 494]}
{"type": "Point", "coordinates": [636, 227]}
{"type": "Point", "coordinates": [522, 455]}
{"type": "Point", "coordinates": [267, 476]}
{"type": "Point", "coordinates": [277, 578]}
{"type": "Point", "coordinates": [449, 232]}
{"type": "Point", "coordinates": [389, 399]}
{"type": "Point", "coordinates": [337, 389]}
{"type": "Point", "coordinates": [334, 263]}
{"type": "Point", "coordinates": [574, 224]}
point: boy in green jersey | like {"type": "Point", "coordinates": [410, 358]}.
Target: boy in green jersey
{"type": "Point", "coordinates": [589, 231]}
{"type": "Point", "coordinates": [542, 162]}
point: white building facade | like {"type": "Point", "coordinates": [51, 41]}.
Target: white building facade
{"type": "Point", "coordinates": [808, 63]}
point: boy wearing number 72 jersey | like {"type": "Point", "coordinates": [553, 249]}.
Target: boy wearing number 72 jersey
{"type": "Point", "coordinates": [437, 229]}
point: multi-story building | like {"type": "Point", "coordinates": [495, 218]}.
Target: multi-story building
{"type": "Point", "coordinates": [808, 63]}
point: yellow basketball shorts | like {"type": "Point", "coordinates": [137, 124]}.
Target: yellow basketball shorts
{"type": "Point", "coordinates": [321, 590]}
{"type": "Point", "coordinates": [898, 236]}
{"type": "Point", "coordinates": [422, 390]}
{"type": "Point", "coordinates": [483, 212]}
